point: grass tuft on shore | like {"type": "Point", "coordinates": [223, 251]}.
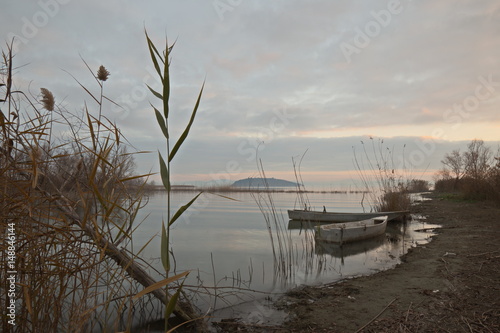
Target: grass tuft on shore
{"type": "Point", "coordinates": [388, 185]}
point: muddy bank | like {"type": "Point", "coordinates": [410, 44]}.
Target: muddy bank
{"type": "Point", "coordinates": [449, 285]}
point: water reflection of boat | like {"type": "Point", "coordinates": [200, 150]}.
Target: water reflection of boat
{"type": "Point", "coordinates": [333, 217]}
{"type": "Point", "coordinates": [297, 224]}
{"type": "Point", "coordinates": [349, 249]}
{"type": "Point", "coordinates": [351, 231]}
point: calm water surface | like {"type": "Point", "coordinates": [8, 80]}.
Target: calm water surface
{"type": "Point", "coordinates": [227, 244]}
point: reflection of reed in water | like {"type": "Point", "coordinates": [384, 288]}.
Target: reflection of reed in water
{"type": "Point", "coordinates": [281, 241]}
{"type": "Point", "coordinates": [287, 258]}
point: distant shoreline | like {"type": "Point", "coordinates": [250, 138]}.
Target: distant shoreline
{"type": "Point", "coordinates": [192, 188]}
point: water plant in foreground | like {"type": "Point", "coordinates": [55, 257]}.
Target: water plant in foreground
{"type": "Point", "coordinates": [286, 259]}
{"type": "Point", "coordinates": [161, 63]}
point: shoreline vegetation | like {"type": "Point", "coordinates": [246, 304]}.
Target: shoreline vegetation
{"type": "Point", "coordinates": [448, 285]}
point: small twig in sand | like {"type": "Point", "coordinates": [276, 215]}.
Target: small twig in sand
{"type": "Point", "coordinates": [445, 265]}
{"type": "Point", "coordinates": [480, 267]}
{"type": "Point", "coordinates": [374, 318]}
{"type": "Point", "coordinates": [408, 312]}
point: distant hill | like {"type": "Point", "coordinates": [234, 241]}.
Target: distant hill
{"type": "Point", "coordinates": [261, 182]}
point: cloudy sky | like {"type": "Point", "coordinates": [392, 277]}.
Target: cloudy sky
{"type": "Point", "coordinates": [286, 76]}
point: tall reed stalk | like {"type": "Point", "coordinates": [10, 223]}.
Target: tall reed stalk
{"type": "Point", "coordinates": [161, 62]}
{"type": "Point", "coordinates": [302, 199]}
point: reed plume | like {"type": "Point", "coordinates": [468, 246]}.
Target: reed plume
{"type": "Point", "coordinates": [102, 73]}
{"type": "Point", "coordinates": [47, 100]}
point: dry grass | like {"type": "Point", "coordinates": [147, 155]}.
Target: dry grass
{"type": "Point", "coordinates": [67, 204]}
{"type": "Point", "coordinates": [386, 183]}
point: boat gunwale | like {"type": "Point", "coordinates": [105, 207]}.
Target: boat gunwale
{"type": "Point", "coordinates": [372, 222]}
{"type": "Point", "coordinates": [340, 217]}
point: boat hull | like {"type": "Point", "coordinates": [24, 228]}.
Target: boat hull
{"type": "Point", "coordinates": [351, 231]}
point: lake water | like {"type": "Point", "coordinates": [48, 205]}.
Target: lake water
{"type": "Point", "coordinates": [227, 245]}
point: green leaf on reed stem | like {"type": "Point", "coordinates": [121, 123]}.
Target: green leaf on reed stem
{"type": "Point", "coordinates": [166, 82]}
{"type": "Point", "coordinates": [182, 210]}
{"type": "Point", "coordinates": [154, 53]}
{"type": "Point", "coordinates": [165, 260]}
{"type": "Point", "coordinates": [164, 173]}
{"type": "Point", "coordinates": [188, 127]}
{"type": "Point", "coordinates": [161, 122]}
{"type": "Point", "coordinates": [173, 302]}
{"type": "Point", "coordinates": [159, 284]}
{"type": "Point", "coordinates": [157, 94]}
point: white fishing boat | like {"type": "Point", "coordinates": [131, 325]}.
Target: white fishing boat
{"type": "Point", "coordinates": [351, 231]}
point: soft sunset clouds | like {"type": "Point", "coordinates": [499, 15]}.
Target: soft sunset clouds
{"type": "Point", "coordinates": [295, 74]}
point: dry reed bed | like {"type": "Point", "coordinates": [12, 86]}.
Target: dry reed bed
{"type": "Point", "coordinates": [70, 203]}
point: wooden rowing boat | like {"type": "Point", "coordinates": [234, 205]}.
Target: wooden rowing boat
{"type": "Point", "coordinates": [333, 217]}
{"type": "Point", "coordinates": [351, 231]}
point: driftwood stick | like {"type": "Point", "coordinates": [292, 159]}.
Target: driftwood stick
{"type": "Point", "coordinates": [186, 313]}
{"type": "Point", "coordinates": [374, 318]}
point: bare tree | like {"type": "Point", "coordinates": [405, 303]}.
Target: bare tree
{"type": "Point", "coordinates": [476, 172]}
{"type": "Point", "coordinates": [497, 159]}
{"type": "Point", "coordinates": [477, 159]}
{"type": "Point", "coordinates": [455, 161]}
